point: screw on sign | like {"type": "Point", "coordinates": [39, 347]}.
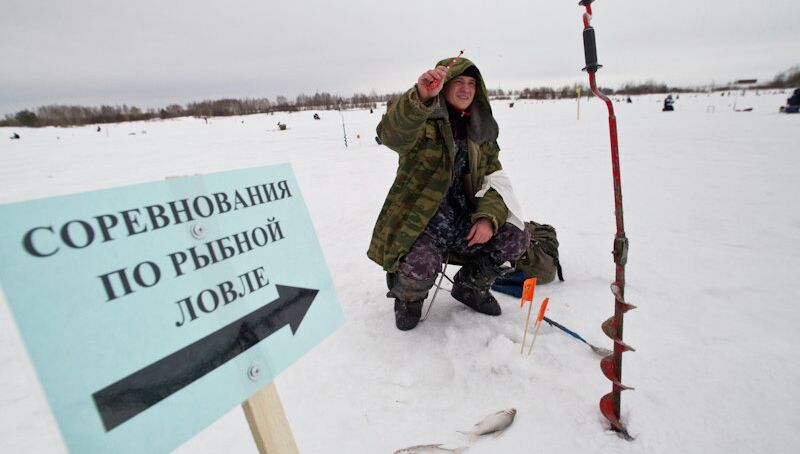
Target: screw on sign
{"type": "Point", "coordinates": [198, 231]}
{"type": "Point", "coordinates": [253, 372]}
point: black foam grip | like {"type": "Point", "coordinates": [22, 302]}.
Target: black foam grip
{"type": "Point", "coordinates": [590, 50]}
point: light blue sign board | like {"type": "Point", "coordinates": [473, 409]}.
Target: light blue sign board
{"type": "Point", "coordinates": [81, 341]}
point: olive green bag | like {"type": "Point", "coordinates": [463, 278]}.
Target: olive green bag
{"type": "Point", "coordinates": [541, 258]}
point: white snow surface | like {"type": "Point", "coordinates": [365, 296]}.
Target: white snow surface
{"type": "Point", "coordinates": [711, 212]}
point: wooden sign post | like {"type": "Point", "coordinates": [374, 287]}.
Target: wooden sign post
{"type": "Point", "coordinates": [268, 422]}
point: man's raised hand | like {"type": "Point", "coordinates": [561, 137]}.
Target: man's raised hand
{"type": "Point", "coordinates": [426, 88]}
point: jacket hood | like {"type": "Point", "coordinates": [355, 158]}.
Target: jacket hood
{"type": "Point", "coordinates": [481, 96]}
{"type": "Point", "coordinates": [482, 127]}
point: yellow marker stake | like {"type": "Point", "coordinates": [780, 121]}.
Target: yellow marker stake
{"type": "Point", "coordinates": [527, 296]}
{"type": "Point", "coordinates": [538, 323]}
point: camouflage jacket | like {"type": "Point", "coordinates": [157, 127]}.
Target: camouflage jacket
{"type": "Point", "coordinates": [421, 135]}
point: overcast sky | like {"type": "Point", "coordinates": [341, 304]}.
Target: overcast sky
{"type": "Point", "coordinates": [152, 53]}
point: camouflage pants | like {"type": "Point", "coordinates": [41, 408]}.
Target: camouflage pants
{"type": "Point", "coordinates": [426, 255]}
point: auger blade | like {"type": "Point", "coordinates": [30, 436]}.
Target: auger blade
{"type": "Point", "coordinates": [610, 371]}
{"type": "Point", "coordinates": [625, 347]}
{"type": "Point", "coordinates": [607, 409]}
{"type": "Point", "coordinates": [611, 328]}
{"type": "Point", "coordinates": [618, 296]}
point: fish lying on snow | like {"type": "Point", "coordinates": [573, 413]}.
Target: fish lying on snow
{"type": "Point", "coordinates": [493, 424]}
{"type": "Point", "coordinates": [429, 449]}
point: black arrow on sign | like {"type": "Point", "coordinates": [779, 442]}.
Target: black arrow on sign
{"type": "Point", "coordinates": [121, 401]}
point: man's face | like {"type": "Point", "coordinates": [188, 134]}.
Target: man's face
{"type": "Point", "coordinates": [460, 92]}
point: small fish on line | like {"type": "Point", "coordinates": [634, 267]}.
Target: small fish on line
{"type": "Point", "coordinates": [430, 449]}
{"type": "Point", "coordinates": [493, 424]}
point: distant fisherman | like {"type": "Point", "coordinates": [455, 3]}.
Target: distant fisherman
{"type": "Point", "coordinates": [450, 196]}
{"type": "Point", "coordinates": [668, 104]}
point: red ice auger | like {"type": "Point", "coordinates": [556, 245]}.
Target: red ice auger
{"type": "Point", "coordinates": [611, 365]}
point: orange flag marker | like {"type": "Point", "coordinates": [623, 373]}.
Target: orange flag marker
{"type": "Point", "coordinates": [538, 323]}
{"type": "Point", "coordinates": [527, 291]}
{"type": "Point", "coordinates": [527, 296]}
{"type": "Point", "coordinates": [542, 309]}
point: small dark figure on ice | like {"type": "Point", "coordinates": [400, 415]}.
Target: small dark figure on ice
{"type": "Point", "coordinates": [316, 116]}
{"type": "Point", "coordinates": [282, 126]}
{"type": "Point", "coordinates": [792, 103]}
{"type": "Point", "coordinates": [14, 136]}
{"type": "Point", "coordinates": [668, 104]}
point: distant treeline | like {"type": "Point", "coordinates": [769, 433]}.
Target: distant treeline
{"type": "Point", "coordinates": [64, 115]}
{"type": "Point", "coordinates": [787, 79]}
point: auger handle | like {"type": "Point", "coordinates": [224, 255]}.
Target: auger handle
{"type": "Point", "coordinates": [589, 43]}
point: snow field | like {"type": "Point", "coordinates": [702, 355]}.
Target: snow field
{"type": "Point", "coordinates": [709, 201]}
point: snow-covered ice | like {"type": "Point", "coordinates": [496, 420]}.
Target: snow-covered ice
{"type": "Point", "coordinates": [710, 197]}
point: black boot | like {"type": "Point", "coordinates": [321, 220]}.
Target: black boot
{"type": "Point", "coordinates": [407, 314]}
{"type": "Point", "coordinates": [473, 281]}
{"type": "Point", "coordinates": [409, 295]}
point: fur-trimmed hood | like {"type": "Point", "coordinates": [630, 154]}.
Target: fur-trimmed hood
{"type": "Point", "coordinates": [482, 126]}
